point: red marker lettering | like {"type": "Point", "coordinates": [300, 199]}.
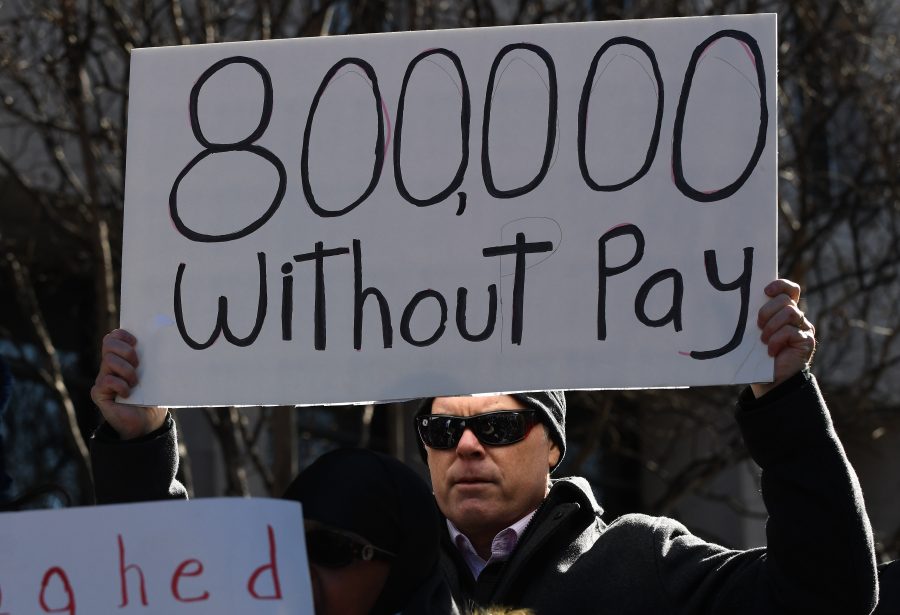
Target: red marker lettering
{"type": "Point", "coordinates": [273, 566]}
{"type": "Point", "coordinates": [182, 571]}
{"type": "Point", "coordinates": [124, 582]}
{"type": "Point", "coordinates": [69, 607]}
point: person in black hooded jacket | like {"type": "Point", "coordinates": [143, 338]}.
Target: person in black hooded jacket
{"type": "Point", "coordinates": [372, 529]}
{"type": "Point", "coordinates": [372, 533]}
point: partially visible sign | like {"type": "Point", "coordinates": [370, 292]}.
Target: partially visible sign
{"type": "Point", "coordinates": [375, 217]}
{"type": "Point", "coordinates": [204, 557]}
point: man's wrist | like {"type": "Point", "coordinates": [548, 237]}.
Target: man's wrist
{"type": "Point", "coordinates": [790, 420]}
{"type": "Point", "coordinates": [141, 431]}
{"type": "Point", "coordinates": [147, 431]}
{"type": "Point", "coordinates": [761, 388]}
{"type": "Point", "coordinates": [750, 399]}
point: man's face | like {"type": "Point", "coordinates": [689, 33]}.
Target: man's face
{"type": "Point", "coordinates": [484, 489]}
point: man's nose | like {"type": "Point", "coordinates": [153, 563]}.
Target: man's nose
{"type": "Point", "coordinates": [469, 445]}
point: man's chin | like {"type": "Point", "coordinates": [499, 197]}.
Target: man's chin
{"type": "Point", "coordinates": [472, 511]}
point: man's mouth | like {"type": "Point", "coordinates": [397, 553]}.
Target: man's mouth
{"type": "Point", "coordinates": [472, 480]}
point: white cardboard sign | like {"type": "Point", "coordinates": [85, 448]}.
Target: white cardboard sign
{"type": "Point", "coordinates": [375, 217]}
{"type": "Point", "coordinates": [204, 557]}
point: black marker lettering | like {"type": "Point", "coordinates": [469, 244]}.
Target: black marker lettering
{"type": "Point", "coordinates": [319, 255]}
{"type": "Point", "coordinates": [551, 124]}
{"type": "Point", "coordinates": [287, 301]}
{"type": "Point", "coordinates": [244, 145]}
{"type": "Point", "coordinates": [379, 141]}
{"type": "Point", "coordinates": [408, 313]}
{"type": "Point", "coordinates": [742, 283]}
{"type": "Point", "coordinates": [359, 299]}
{"type": "Point", "coordinates": [604, 272]}
{"type": "Point", "coordinates": [677, 169]}
{"type": "Point", "coordinates": [464, 117]}
{"type": "Point", "coordinates": [674, 313]}
{"type": "Point", "coordinates": [461, 294]}
{"type": "Point", "coordinates": [462, 203]}
{"type": "Point", "coordinates": [520, 249]}
{"type": "Point", "coordinates": [583, 115]}
{"type": "Point", "coordinates": [222, 315]}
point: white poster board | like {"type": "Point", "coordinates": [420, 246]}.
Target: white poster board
{"type": "Point", "coordinates": [204, 557]}
{"type": "Point", "coordinates": [375, 217]}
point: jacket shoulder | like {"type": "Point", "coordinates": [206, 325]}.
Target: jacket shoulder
{"type": "Point", "coordinates": [648, 525]}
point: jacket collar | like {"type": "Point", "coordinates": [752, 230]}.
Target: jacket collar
{"type": "Point", "coordinates": [575, 488]}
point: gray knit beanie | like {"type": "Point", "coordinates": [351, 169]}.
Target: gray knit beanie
{"type": "Point", "coordinates": [550, 404]}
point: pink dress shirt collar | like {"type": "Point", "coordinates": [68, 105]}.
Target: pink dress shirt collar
{"type": "Point", "coordinates": [501, 547]}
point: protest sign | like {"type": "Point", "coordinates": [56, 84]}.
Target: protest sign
{"type": "Point", "coordinates": [374, 217]}
{"type": "Point", "coordinates": [212, 556]}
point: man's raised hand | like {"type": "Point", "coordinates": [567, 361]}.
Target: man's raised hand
{"type": "Point", "coordinates": [786, 331]}
{"type": "Point", "coordinates": [117, 375]}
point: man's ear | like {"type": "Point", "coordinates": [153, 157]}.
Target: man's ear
{"type": "Point", "coordinates": [553, 457]}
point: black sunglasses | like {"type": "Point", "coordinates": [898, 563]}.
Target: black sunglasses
{"type": "Point", "coordinates": [333, 548]}
{"type": "Point", "coordinates": [491, 428]}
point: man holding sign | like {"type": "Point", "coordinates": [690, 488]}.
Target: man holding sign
{"type": "Point", "coordinates": [514, 537]}
{"type": "Point", "coordinates": [517, 537]}
{"type": "Point", "coordinates": [577, 254]}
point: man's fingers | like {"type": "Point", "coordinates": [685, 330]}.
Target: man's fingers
{"type": "Point", "coordinates": [786, 287]}
{"type": "Point", "coordinates": [808, 326]}
{"type": "Point", "coordinates": [789, 315]}
{"type": "Point", "coordinates": [122, 335]}
{"type": "Point", "coordinates": [107, 387]}
{"type": "Point", "coordinates": [771, 307]}
{"type": "Point", "coordinates": [117, 366]}
{"type": "Point", "coordinates": [116, 346]}
{"type": "Point", "coordinates": [791, 336]}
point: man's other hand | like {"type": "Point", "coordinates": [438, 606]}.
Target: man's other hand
{"type": "Point", "coordinates": [787, 333]}
{"type": "Point", "coordinates": [118, 374]}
